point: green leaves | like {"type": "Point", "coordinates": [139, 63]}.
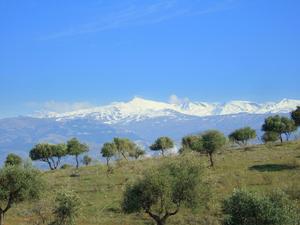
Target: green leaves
{"type": "Point", "coordinates": [18, 184]}
{"type": "Point", "coordinates": [296, 116]}
{"type": "Point", "coordinates": [243, 135]}
{"type": "Point", "coordinates": [163, 190]}
{"type": "Point", "coordinates": [13, 160]}
{"type": "Point", "coordinates": [247, 208]}
{"type": "Point", "coordinates": [74, 147]}
{"type": "Point", "coordinates": [280, 125]}
{"type": "Point", "coordinates": [162, 144]}
{"type": "Point", "coordinates": [67, 208]}
{"type": "Point", "coordinates": [50, 153]}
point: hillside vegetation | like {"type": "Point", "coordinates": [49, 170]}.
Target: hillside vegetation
{"type": "Point", "coordinates": [262, 168]}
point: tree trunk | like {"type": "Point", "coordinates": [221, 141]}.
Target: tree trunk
{"type": "Point", "coordinates": [77, 162]}
{"type": "Point", "coordinates": [1, 218]}
{"type": "Point", "coordinates": [162, 152]}
{"type": "Point", "coordinates": [211, 160]}
{"type": "Point", "coordinates": [281, 140]}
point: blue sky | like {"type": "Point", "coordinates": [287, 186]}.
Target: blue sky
{"type": "Point", "coordinates": [72, 54]}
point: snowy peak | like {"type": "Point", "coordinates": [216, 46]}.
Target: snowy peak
{"type": "Point", "coordinates": [140, 109]}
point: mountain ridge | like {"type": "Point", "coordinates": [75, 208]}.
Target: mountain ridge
{"type": "Point", "coordinates": [139, 109]}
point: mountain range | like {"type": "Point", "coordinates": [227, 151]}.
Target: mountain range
{"type": "Point", "coordinates": [139, 119]}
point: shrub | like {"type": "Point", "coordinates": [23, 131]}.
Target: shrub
{"type": "Point", "coordinates": [247, 208]}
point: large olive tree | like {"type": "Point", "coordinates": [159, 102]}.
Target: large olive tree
{"type": "Point", "coordinates": [163, 191]}
{"type": "Point", "coordinates": [50, 153]}
{"type": "Point", "coordinates": [280, 125]}
{"type": "Point", "coordinates": [18, 184]}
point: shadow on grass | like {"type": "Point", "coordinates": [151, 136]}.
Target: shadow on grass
{"type": "Point", "coordinates": [272, 167]}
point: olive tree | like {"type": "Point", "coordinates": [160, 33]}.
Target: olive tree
{"type": "Point", "coordinates": [162, 144]}
{"type": "Point", "coordinates": [67, 208]}
{"type": "Point", "coordinates": [270, 136]}
{"type": "Point", "coordinates": [296, 116]}
{"type": "Point", "coordinates": [163, 191]}
{"type": "Point", "coordinates": [213, 140]}
{"type": "Point", "coordinates": [191, 143]}
{"type": "Point", "coordinates": [13, 160]}
{"type": "Point", "coordinates": [18, 184]}
{"type": "Point", "coordinates": [280, 125]}
{"type": "Point", "coordinates": [124, 147]}
{"type": "Point", "coordinates": [247, 208]}
{"type": "Point", "coordinates": [137, 152]}
{"type": "Point", "coordinates": [75, 148]}
{"type": "Point", "coordinates": [50, 153]}
{"type": "Point", "coordinates": [108, 151]}
{"type": "Point", "coordinates": [243, 135]}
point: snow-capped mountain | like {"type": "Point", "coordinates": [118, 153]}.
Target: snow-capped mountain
{"type": "Point", "coordinates": [140, 109]}
{"type": "Point", "coordinates": [139, 119]}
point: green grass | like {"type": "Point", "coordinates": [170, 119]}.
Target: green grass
{"type": "Point", "coordinates": [261, 168]}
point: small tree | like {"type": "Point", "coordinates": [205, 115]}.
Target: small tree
{"type": "Point", "coordinates": [191, 143]}
{"type": "Point", "coordinates": [86, 160]}
{"type": "Point", "coordinates": [124, 146]}
{"type": "Point", "coordinates": [162, 144]}
{"type": "Point", "coordinates": [212, 141]}
{"type": "Point", "coordinates": [246, 208]}
{"type": "Point", "coordinates": [296, 116]}
{"type": "Point", "coordinates": [49, 153]}
{"type": "Point", "coordinates": [243, 135]}
{"type": "Point", "coordinates": [13, 160]}
{"type": "Point", "coordinates": [18, 184]}
{"type": "Point", "coordinates": [75, 148]}
{"type": "Point", "coordinates": [67, 208]}
{"type": "Point", "coordinates": [137, 152]}
{"type": "Point", "coordinates": [108, 151]}
{"type": "Point", "coordinates": [163, 191]}
{"type": "Point", "coordinates": [270, 136]}
{"type": "Point", "coordinates": [280, 125]}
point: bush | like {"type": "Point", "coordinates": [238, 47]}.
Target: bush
{"type": "Point", "coordinates": [247, 208]}
{"type": "Point", "coordinates": [13, 160]}
{"type": "Point", "coordinates": [67, 208]}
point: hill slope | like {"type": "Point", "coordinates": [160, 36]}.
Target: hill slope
{"type": "Point", "coordinates": [262, 168]}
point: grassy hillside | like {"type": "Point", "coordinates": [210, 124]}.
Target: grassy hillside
{"type": "Point", "coordinates": [262, 168]}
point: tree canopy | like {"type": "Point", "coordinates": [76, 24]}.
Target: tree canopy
{"type": "Point", "coordinates": [296, 116]}
{"type": "Point", "coordinates": [108, 150]}
{"type": "Point", "coordinates": [280, 125]}
{"type": "Point", "coordinates": [213, 140]}
{"type": "Point", "coordinates": [50, 153]}
{"type": "Point", "coordinates": [191, 143]}
{"type": "Point", "coordinates": [164, 190]}
{"type": "Point", "coordinates": [243, 135]}
{"type": "Point", "coordinates": [18, 184]}
{"type": "Point", "coordinates": [74, 147]}
{"type": "Point", "coordinates": [124, 147]}
{"type": "Point", "coordinates": [162, 144]}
